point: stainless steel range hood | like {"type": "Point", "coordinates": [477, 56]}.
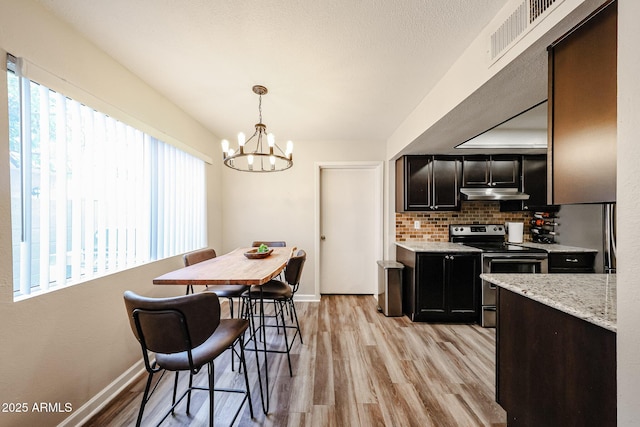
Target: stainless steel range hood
{"type": "Point", "coordinates": [493, 194]}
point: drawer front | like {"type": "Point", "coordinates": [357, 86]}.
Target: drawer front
{"type": "Point", "coordinates": [583, 261]}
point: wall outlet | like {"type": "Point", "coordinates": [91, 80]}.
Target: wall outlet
{"type": "Point", "coordinates": [416, 225]}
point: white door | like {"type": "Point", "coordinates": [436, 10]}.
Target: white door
{"type": "Point", "coordinates": [350, 228]}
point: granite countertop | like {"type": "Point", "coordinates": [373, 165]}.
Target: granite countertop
{"type": "Point", "coordinates": [421, 246]}
{"type": "Point", "coordinates": [591, 297]}
{"type": "Point", "coordinates": [553, 247]}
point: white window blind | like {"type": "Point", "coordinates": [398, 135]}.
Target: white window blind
{"type": "Point", "coordinates": [92, 195]}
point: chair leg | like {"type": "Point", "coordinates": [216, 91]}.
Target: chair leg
{"type": "Point", "coordinates": [275, 311]}
{"type": "Point", "coordinates": [175, 389]}
{"type": "Point", "coordinates": [286, 340]}
{"type": "Point", "coordinates": [230, 307]}
{"type": "Point", "coordinates": [189, 392]}
{"type": "Point", "coordinates": [211, 384]}
{"type": "Point", "coordinates": [145, 397]}
{"type": "Point", "coordinates": [231, 315]}
{"type": "Point", "coordinates": [295, 315]}
{"type": "Point", "coordinates": [243, 365]}
{"type": "Point", "coordinates": [290, 308]}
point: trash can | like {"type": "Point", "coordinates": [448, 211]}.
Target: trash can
{"type": "Point", "coordinates": [390, 288]}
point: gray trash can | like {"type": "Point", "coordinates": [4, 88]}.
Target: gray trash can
{"type": "Point", "coordinates": [390, 288]}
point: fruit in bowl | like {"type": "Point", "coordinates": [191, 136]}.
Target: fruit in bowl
{"type": "Point", "coordinates": [262, 249]}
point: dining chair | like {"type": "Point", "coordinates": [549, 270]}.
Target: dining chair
{"type": "Point", "coordinates": [271, 244]}
{"type": "Point", "coordinates": [223, 291]}
{"type": "Point", "coordinates": [185, 333]}
{"type": "Point", "coordinates": [281, 293]}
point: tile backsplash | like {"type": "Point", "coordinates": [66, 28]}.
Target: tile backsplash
{"type": "Point", "coordinates": [434, 226]}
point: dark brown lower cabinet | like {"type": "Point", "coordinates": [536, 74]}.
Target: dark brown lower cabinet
{"type": "Point", "coordinates": [440, 287]}
{"type": "Point", "coordinates": [572, 262]}
{"type": "Point", "coordinates": [553, 369]}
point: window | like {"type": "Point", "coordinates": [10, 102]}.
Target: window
{"type": "Point", "coordinates": [91, 195]}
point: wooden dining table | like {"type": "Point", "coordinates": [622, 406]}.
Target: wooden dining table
{"type": "Point", "coordinates": [234, 268]}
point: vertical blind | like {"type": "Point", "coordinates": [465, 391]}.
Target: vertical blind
{"type": "Point", "coordinates": [92, 195]}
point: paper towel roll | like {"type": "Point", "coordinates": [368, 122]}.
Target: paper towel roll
{"type": "Point", "coordinates": [516, 231]}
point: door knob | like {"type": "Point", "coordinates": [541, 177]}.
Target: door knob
{"type": "Point", "coordinates": [323, 237]}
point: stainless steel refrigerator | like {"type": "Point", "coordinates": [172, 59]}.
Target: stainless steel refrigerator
{"type": "Point", "coordinates": [591, 226]}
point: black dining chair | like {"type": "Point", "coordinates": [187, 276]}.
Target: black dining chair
{"type": "Point", "coordinates": [271, 244]}
{"type": "Point", "coordinates": [223, 291]}
{"type": "Point", "coordinates": [281, 293]}
{"type": "Point", "coordinates": [185, 333]}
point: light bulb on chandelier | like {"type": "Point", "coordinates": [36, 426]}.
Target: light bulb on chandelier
{"type": "Point", "coordinates": [253, 155]}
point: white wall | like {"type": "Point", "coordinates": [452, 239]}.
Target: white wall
{"type": "Point", "coordinates": [66, 346]}
{"type": "Point", "coordinates": [628, 298]}
{"type": "Point", "coordinates": [281, 206]}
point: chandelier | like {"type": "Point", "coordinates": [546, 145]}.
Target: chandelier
{"type": "Point", "coordinates": [254, 154]}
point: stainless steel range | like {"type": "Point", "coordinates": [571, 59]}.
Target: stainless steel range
{"type": "Point", "coordinates": [497, 257]}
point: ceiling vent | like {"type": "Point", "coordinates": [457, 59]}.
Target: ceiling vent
{"type": "Point", "coordinates": [520, 21]}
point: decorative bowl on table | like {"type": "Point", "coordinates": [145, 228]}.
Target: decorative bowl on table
{"type": "Point", "coordinates": [254, 254]}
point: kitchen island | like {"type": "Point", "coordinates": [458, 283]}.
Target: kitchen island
{"type": "Point", "coordinates": [556, 348]}
{"type": "Point", "coordinates": [440, 281]}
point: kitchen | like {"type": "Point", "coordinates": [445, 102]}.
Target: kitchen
{"type": "Point", "coordinates": [101, 291]}
{"type": "Point", "coordinates": [533, 385]}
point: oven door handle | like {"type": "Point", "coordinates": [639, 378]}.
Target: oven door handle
{"type": "Point", "coordinates": [515, 260]}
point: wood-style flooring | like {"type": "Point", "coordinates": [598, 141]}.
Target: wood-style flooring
{"type": "Point", "coordinates": [355, 368]}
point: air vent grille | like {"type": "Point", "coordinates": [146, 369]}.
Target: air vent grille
{"type": "Point", "coordinates": [538, 7]}
{"type": "Point", "coordinates": [521, 20]}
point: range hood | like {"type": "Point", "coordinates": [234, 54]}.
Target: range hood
{"type": "Point", "coordinates": [493, 194]}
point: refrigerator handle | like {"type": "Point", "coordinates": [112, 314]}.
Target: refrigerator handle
{"type": "Point", "coordinates": [609, 238]}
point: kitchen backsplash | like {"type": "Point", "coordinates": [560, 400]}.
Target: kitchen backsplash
{"type": "Point", "coordinates": [434, 226]}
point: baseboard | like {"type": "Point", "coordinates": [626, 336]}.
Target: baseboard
{"type": "Point", "coordinates": [306, 298]}
{"type": "Point", "coordinates": [104, 397]}
{"type": "Point", "coordinates": [315, 298]}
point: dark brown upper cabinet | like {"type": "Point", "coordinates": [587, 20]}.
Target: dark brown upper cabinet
{"type": "Point", "coordinates": [428, 183]}
{"type": "Point", "coordinates": [534, 183]}
{"type": "Point", "coordinates": [447, 172]}
{"type": "Point", "coordinates": [583, 112]}
{"type": "Point", "coordinates": [413, 183]}
{"type": "Point", "coordinates": [491, 171]}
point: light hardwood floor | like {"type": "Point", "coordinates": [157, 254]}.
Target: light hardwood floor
{"type": "Point", "coordinates": [355, 368]}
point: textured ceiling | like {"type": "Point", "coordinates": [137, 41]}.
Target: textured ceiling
{"type": "Point", "coordinates": [335, 69]}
